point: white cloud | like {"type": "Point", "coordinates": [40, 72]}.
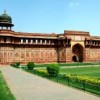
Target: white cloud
{"type": "Point", "coordinates": [74, 4]}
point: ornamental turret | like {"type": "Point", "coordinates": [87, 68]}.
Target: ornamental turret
{"type": "Point", "coordinates": [5, 21]}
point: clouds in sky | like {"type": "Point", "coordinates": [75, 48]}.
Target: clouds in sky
{"type": "Point", "coordinates": [73, 4]}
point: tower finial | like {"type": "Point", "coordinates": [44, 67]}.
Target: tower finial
{"type": "Point", "coordinates": [4, 11]}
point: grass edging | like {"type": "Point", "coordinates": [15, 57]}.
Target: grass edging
{"type": "Point", "coordinates": [5, 93]}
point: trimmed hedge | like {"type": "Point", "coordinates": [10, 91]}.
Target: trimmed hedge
{"type": "Point", "coordinates": [85, 79]}
{"type": "Point", "coordinates": [53, 70]}
{"type": "Point", "coordinates": [30, 65]}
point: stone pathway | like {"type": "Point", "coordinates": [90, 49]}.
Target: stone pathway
{"type": "Point", "coordinates": [26, 86]}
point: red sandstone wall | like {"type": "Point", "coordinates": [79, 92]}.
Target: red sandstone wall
{"type": "Point", "coordinates": [37, 55]}
{"type": "Point", "coordinates": [62, 54]}
{"type": "Point", "coordinates": [6, 54]}
{"type": "Point", "coordinates": [26, 54]}
{"type": "Point", "coordinates": [92, 54]}
{"type": "Point", "coordinates": [68, 54]}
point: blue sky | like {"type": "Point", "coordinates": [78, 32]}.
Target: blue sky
{"type": "Point", "coordinates": [47, 16]}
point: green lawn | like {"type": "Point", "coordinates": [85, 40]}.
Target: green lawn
{"type": "Point", "coordinates": [5, 93]}
{"type": "Point", "coordinates": [88, 71]}
{"type": "Point", "coordinates": [71, 64]}
{"type": "Point", "coordinates": [79, 64]}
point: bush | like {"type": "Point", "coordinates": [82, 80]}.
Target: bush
{"type": "Point", "coordinates": [17, 64]}
{"type": "Point", "coordinates": [53, 70]}
{"type": "Point", "coordinates": [30, 65]}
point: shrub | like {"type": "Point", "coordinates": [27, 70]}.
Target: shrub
{"type": "Point", "coordinates": [53, 70]}
{"type": "Point", "coordinates": [30, 65]}
{"type": "Point", "coordinates": [17, 64]}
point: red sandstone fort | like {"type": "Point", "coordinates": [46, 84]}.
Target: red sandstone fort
{"type": "Point", "coordinates": [70, 46]}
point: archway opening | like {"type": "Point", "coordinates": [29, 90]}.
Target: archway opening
{"type": "Point", "coordinates": [75, 58]}
{"type": "Point", "coordinates": [77, 51]}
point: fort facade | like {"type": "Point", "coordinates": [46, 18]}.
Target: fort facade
{"type": "Point", "coordinates": [69, 46]}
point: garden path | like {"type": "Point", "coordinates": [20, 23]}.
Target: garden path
{"type": "Point", "coordinates": [26, 86]}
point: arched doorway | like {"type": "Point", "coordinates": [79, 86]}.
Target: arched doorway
{"type": "Point", "coordinates": [75, 58]}
{"type": "Point", "coordinates": [77, 51]}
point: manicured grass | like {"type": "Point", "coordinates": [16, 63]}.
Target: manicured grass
{"type": "Point", "coordinates": [41, 65]}
{"type": "Point", "coordinates": [78, 64]}
{"type": "Point", "coordinates": [70, 64]}
{"type": "Point", "coordinates": [88, 71]}
{"type": "Point", "coordinates": [5, 93]}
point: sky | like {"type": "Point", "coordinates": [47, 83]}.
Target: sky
{"type": "Point", "coordinates": [53, 16]}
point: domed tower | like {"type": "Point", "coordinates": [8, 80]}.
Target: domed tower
{"type": "Point", "coordinates": [5, 21]}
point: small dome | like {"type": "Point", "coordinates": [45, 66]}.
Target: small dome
{"type": "Point", "coordinates": [5, 18]}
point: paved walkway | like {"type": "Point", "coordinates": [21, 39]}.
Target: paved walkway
{"type": "Point", "coordinates": [26, 86]}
